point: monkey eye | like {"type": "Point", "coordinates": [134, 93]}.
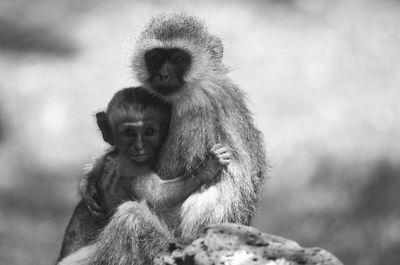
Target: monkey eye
{"type": "Point", "coordinates": [156, 59]}
{"type": "Point", "coordinates": [149, 132]}
{"type": "Point", "coordinates": [178, 60]}
{"type": "Point", "coordinates": [129, 132]}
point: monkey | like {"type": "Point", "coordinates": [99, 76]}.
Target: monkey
{"type": "Point", "coordinates": [177, 59]}
{"type": "Point", "coordinates": [136, 126]}
{"type": "Point", "coordinates": [137, 131]}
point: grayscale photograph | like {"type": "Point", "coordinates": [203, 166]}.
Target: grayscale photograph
{"type": "Point", "coordinates": [261, 132]}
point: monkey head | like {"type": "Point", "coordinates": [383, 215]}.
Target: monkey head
{"type": "Point", "coordinates": [135, 123]}
{"type": "Point", "coordinates": [174, 53]}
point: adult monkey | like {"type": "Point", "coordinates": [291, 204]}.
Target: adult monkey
{"type": "Point", "coordinates": [178, 60]}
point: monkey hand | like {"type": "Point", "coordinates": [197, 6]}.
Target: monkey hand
{"type": "Point", "coordinates": [91, 199]}
{"type": "Point", "coordinates": [218, 159]}
{"type": "Point", "coordinates": [220, 154]}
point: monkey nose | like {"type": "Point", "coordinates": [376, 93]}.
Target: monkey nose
{"type": "Point", "coordinates": [163, 77]}
{"type": "Point", "coordinates": [138, 148]}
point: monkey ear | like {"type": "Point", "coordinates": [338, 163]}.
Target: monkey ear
{"type": "Point", "coordinates": [105, 127]}
{"type": "Point", "coordinates": [216, 49]}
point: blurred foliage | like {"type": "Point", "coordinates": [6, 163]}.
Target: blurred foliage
{"type": "Point", "coordinates": [322, 77]}
{"type": "Point", "coordinates": [25, 38]}
{"type": "Point", "coordinates": [2, 132]}
{"type": "Point", "coordinates": [38, 26]}
{"type": "Point", "coordinates": [33, 216]}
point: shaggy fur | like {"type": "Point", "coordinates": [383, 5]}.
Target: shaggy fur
{"type": "Point", "coordinates": [208, 109]}
{"type": "Point", "coordinates": [133, 236]}
{"type": "Point", "coordinates": [134, 230]}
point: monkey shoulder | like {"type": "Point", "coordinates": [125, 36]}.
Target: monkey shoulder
{"type": "Point", "coordinates": [95, 169]}
{"type": "Point", "coordinates": [93, 184]}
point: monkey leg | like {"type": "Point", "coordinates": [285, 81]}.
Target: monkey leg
{"type": "Point", "coordinates": [80, 257]}
{"type": "Point", "coordinates": [134, 236]}
{"type": "Point", "coordinates": [83, 228]}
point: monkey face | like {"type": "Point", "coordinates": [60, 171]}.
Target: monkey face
{"type": "Point", "coordinates": [166, 68]}
{"type": "Point", "coordinates": [139, 139]}
{"type": "Point", "coordinates": [135, 123]}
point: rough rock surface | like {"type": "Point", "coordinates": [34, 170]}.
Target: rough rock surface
{"type": "Point", "coordinates": [232, 244]}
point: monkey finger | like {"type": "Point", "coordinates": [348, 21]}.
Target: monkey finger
{"type": "Point", "coordinates": [216, 147]}
{"type": "Point", "coordinates": [227, 159]}
{"type": "Point", "coordinates": [221, 150]}
{"type": "Point", "coordinates": [216, 152]}
{"type": "Point", "coordinates": [224, 162]}
{"type": "Point", "coordinates": [224, 155]}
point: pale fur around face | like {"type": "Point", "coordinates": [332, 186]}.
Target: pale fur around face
{"type": "Point", "coordinates": [208, 109]}
{"type": "Point", "coordinates": [206, 50]}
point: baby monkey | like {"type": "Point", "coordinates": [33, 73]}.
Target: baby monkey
{"type": "Point", "coordinates": [136, 125]}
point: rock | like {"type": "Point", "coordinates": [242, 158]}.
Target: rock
{"type": "Point", "coordinates": [233, 244]}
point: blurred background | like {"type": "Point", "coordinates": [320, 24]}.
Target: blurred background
{"type": "Point", "coordinates": [322, 78]}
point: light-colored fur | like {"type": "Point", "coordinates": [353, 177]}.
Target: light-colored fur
{"type": "Point", "coordinates": [207, 109]}
{"type": "Point", "coordinates": [80, 257]}
{"type": "Point", "coordinates": [133, 236]}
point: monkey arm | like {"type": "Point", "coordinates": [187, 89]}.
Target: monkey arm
{"type": "Point", "coordinates": [89, 189]}
{"type": "Point", "coordinates": [163, 194]}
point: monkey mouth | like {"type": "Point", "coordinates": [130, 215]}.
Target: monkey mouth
{"type": "Point", "coordinates": [140, 157]}
{"type": "Point", "coordinates": [166, 90]}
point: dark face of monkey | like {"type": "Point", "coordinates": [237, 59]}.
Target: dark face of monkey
{"type": "Point", "coordinates": [166, 68]}
{"type": "Point", "coordinates": [139, 136]}
{"type": "Point", "coordinates": [135, 123]}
